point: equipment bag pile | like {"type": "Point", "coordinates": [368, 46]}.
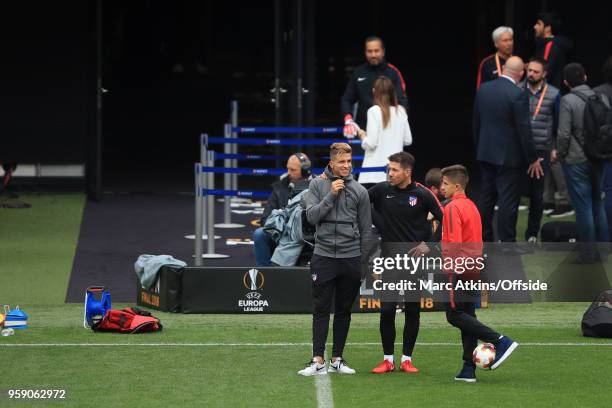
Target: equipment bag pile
{"type": "Point", "coordinates": [129, 320]}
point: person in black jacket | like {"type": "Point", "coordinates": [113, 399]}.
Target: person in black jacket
{"type": "Point", "coordinates": [502, 136]}
{"type": "Point", "coordinates": [296, 179]}
{"type": "Point", "coordinates": [552, 48]}
{"type": "Point", "coordinates": [490, 67]}
{"type": "Point", "coordinates": [404, 207]}
{"type": "Point", "coordinates": [544, 101]}
{"type": "Point", "coordinates": [359, 87]}
{"type": "Point", "coordinates": [606, 87]}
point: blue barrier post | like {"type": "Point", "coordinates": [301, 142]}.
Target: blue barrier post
{"type": "Point", "coordinates": [198, 217]}
{"type": "Point", "coordinates": [284, 142]}
{"type": "Point", "coordinates": [203, 147]}
{"type": "Point", "coordinates": [210, 213]}
{"type": "Point", "coordinates": [234, 193]}
{"type": "Point", "coordinates": [202, 182]}
{"type": "Point", "coordinates": [311, 130]}
{"type": "Point", "coordinates": [227, 163]}
{"type": "Point", "coordinates": [278, 172]}
{"type": "Point", "coordinates": [227, 183]}
{"type": "Point", "coordinates": [234, 122]}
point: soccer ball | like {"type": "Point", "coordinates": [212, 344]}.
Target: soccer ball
{"type": "Point", "coordinates": [483, 355]}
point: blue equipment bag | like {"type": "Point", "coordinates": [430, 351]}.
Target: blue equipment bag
{"type": "Point", "coordinates": [97, 303]}
{"type": "Point", "coordinates": [15, 319]}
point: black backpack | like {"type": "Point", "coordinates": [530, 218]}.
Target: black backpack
{"type": "Point", "coordinates": [597, 126]}
{"type": "Point", "coordinates": [597, 320]}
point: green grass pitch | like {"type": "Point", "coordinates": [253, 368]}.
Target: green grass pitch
{"type": "Point", "coordinates": [252, 360]}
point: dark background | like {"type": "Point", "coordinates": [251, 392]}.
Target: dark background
{"type": "Point", "coordinates": [171, 69]}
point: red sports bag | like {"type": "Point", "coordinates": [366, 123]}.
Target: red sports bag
{"type": "Point", "coordinates": [129, 320]}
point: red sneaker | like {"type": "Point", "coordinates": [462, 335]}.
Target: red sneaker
{"type": "Point", "coordinates": [385, 367]}
{"type": "Point", "coordinates": [407, 367]}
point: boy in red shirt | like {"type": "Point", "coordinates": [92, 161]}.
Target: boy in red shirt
{"type": "Point", "coordinates": [462, 238]}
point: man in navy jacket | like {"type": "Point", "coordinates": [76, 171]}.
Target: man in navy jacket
{"type": "Point", "coordinates": [359, 87]}
{"type": "Point", "coordinates": [504, 147]}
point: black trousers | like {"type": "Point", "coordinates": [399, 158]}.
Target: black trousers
{"type": "Point", "coordinates": [412, 311]}
{"type": "Point", "coordinates": [462, 315]}
{"type": "Point", "coordinates": [536, 198]}
{"type": "Point", "coordinates": [334, 276]}
{"type": "Point", "coordinates": [500, 185]}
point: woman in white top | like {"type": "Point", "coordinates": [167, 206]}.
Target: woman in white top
{"type": "Point", "coordinates": [387, 132]}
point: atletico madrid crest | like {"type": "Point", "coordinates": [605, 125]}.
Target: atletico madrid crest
{"type": "Point", "coordinates": [412, 200]}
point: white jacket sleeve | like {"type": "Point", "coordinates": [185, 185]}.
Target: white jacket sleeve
{"type": "Point", "coordinates": [373, 130]}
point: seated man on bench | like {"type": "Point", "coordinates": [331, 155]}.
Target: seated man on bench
{"type": "Point", "coordinates": [295, 181]}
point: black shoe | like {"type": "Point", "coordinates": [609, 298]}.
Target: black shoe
{"type": "Point", "coordinates": [562, 211]}
{"type": "Point", "coordinates": [467, 374]}
{"type": "Point", "coordinates": [548, 208]}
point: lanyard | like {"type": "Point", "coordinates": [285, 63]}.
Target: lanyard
{"type": "Point", "coordinates": [499, 73]}
{"type": "Point", "coordinates": [539, 105]}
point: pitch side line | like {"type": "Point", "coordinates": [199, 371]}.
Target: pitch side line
{"type": "Point", "coordinates": [325, 398]}
{"type": "Point", "coordinates": [526, 344]}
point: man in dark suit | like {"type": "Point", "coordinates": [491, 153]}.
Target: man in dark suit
{"type": "Point", "coordinates": [502, 135]}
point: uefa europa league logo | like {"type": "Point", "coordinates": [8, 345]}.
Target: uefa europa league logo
{"type": "Point", "coordinates": [253, 275]}
{"type": "Point", "coordinates": [253, 279]}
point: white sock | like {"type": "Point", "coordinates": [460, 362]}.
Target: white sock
{"type": "Point", "coordinates": [405, 357]}
{"type": "Point", "coordinates": [389, 358]}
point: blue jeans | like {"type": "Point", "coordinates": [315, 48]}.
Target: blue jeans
{"type": "Point", "coordinates": [585, 186]}
{"type": "Point", "coordinates": [263, 246]}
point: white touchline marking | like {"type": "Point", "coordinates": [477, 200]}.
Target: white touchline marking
{"type": "Point", "coordinates": [527, 344]}
{"type": "Point", "coordinates": [325, 398]}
